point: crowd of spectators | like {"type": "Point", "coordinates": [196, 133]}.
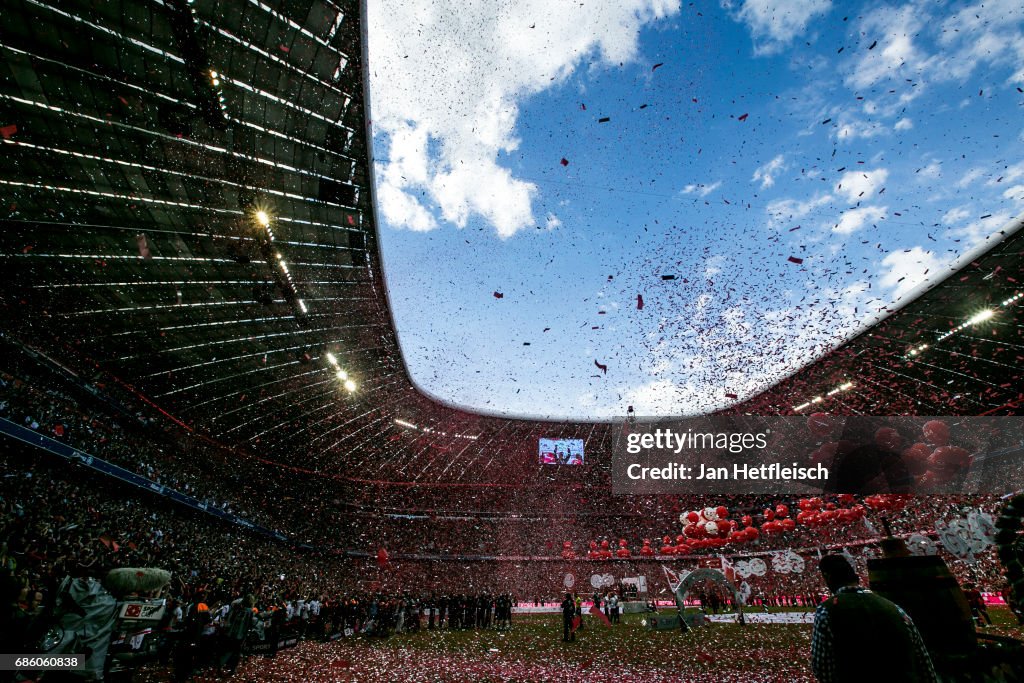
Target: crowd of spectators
{"type": "Point", "coordinates": [58, 519]}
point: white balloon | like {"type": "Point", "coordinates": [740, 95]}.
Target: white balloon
{"type": "Point", "coordinates": [710, 514]}
{"type": "Point", "coordinates": [711, 528]}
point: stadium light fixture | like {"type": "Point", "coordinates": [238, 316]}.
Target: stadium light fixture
{"type": "Point", "coordinates": [331, 359]}
{"type": "Point", "coordinates": [350, 386]}
{"type": "Point", "coordinates": [342, 375]}
{"type": "Point", "coordinates": [981, 316]}
{"type": "Point", "coordinates": [262, 218]}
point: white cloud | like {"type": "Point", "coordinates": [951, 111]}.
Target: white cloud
{"type": "Point", "coordinates": [1015, 194]}
{"type": "Point", "coordinates": [859, 186]}
{"type": "Point", "coordinates": [895, 55]}
{"type": "Point", "coordinates": [850, 128]}
{"type": "Point", "coordinates": [774, 23]}
{"type": "Point", "coordinates": [983, 229]}
{"type": "Point", "coordinates": [905, 270]}
{"type": "Point", "coordinates": [702, 189]}
{"type": "Point", "coordinates": [968, 179]}
{"type": "Point", "coordinates": [766, 174]}
{"type": "Point", "coordinates": [904, 124]}
{"type": "Point", "coordinates": [955, 215]}
{"type": "Point", "coordinates": [782, 210]}
{"type": "Point", "coordinates": [446, 81]}
{"type": "Point", "coordinates": [853, 220]}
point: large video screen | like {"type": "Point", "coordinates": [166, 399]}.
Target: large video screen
{"type": "Point", "coordinates": [561, 451]}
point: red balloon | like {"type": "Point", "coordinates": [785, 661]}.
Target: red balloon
{"type": "Point", "coordinates": [830, 506]}
{"type": "Point", "coordinates": [747, 520]}
{"type": "Point", "coordinates": [604, 544]}
{"type": "Point", "coordinates": [668, 550]}
{"type": "Point", "coordinates": [889, 439]}
{"type": "Point", "coordinates": [788, 524]}
{"type": "Point", "coordinates": [593, 545]}
{"type": "Point", "coordinates": [769, 515]}
{"type": "Point", "coordinates": [846, 498]}
{"type": "Point", "coordinates": [622, 543]}
{"type": "Point", "coordinates": [820, 424]}
{"type": "Point", "coordinates": [722, 511]}
{"type": "Point", "coordinates": [666, 540]}
{"type": "Point", "coordinates": [692, 517]}
{"type": "Point", "coordinates": [566, 544]}
{"type": "Point", "coordinates": [751, 532]}
{"type": "Point", "coordinates": [936, 432]}
{"type": "Point", "coordinates": [949, 457]}
{"type": "Point", "coordinates": [781, 510]}
{"type": "Point", "coordinates": [916, 457]}
{"type": "Point", "coordinates": [681, 539]}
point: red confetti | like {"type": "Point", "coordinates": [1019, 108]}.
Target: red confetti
{"type": "Point", "coordinates": [744, 117]}
{"type": "Point", "coordinates": [8, 131]}
{"type": "Point", "coordinates": [499, 295]}
{"type": "Point", "coordinates": [794, 259]}
{"type": "Point", "coordinates": [564, 161]}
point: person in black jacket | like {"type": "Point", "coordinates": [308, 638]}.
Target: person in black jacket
{"type": "Point", "coordinates": [568, 614]}
{"type": "Point", "coordinates": [860, 636]}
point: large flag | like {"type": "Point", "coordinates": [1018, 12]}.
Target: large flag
{"type": "Point", "coordinates": [596, 611]}
{"type": "Point", "coordinates": [576, 621]}
{"type": "Point", "coordinates": [673, 579]}
{"type": "Point", "coordinates": [728, 569]}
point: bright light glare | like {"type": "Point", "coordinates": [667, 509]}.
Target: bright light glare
{"type": "Point", "coordinates": [981, 317]}
{"type": "Point", "coordinates": [350, 386]}
{"type": "Point", "coordinates": [262, 218]}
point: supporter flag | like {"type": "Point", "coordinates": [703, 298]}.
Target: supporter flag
{"type": "Point", "coordinates": [596, 611]}
{"type": "Point", "coordinates": [576, 621]}
{"type": "Point", "coordinates": [673, 579]}
{"type": "Point", "coordinates": [382, 557]}
{"type": "Point", "coordinates": [728, 569]}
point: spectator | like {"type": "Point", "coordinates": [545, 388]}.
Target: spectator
{"type": "Point", "coordinates": [860, 636]}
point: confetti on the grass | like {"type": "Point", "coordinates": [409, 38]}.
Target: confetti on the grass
{"type": "Point", "coordinates": [796, 260]}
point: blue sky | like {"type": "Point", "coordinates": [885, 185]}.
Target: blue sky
{"type": "Point", "coordinates": [877, 144]}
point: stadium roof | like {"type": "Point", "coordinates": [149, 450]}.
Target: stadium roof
{"type": "Point", "coordinates": [188, 207]}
